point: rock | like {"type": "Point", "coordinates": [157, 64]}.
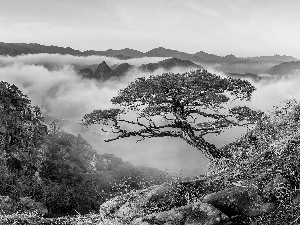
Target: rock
{"type": "Point", "coordinates": [7, 205]}
{"type": "Point", "coordinates": [240, 200]}
{"type": "Point", "coordinates": [191, 214]}
{"type": "Point", "coordinates": [154, 199]}
{"type": "Point", "coordinates": [136, 203]}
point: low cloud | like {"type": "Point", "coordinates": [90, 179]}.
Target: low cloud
{"type": "Point", "coordinates": [58, 60]}
{"type": "Point", "coordinates": [65, 95]}
{"type": "Point", "coordinates": [245, 67]}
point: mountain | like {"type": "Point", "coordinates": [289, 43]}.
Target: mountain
{"type": "Point", "coordinates": [205, 59]}
{"type": "Point", "coordinates": [104, 72]}
{"type": "Point", "coordinates": [207, 56]}
{"type": "Point", "coordinates": [125, 52]}
{"type": "Point", "coordinates": [123, 57]}
{"type": "Point", "coordinates": [14, 49]}
{"type": "Point", "coordinates": [245, 66]}
{"type": "Point", "coordinates": [216, 58]}
{"type": "Point", "coordinates": [168, 64]}
{"type": "Point", "coordinates": [162, 52]}
{"type": "Point", "coordinates": [121, 69]}
{"type": "Point", "coordinates": [277, 58]}
{"type": "Point", "coordinates": [286, 68]}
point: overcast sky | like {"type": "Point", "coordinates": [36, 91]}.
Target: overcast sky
{"type": "Point", "coordinates": [239, 27]}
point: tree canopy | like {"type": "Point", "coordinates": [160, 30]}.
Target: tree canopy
{"type": "Point", "coordinates": [189, 106]}
{"type": "Point", "coordinates": [21, 128]}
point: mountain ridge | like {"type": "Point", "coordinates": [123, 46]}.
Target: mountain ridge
{"type": "Point", "coordinates": [285, 68]}
{"type": "Point", "coordinates": [14, 49]}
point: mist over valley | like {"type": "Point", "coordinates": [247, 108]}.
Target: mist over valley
{"type": "Point", "coordinates": [66, 87]}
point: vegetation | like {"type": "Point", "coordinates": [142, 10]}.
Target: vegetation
{"type": "Point", "coordinates": [188, 106]}
{"type": "Point", "coordinates": [48, 167]}
{"type": "Point", "coordinates": [269, 152]}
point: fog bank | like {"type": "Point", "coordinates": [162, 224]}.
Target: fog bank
{"type": "Point", "coordinates": [63, 94]}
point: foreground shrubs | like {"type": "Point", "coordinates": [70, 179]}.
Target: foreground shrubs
{"type": "Point", "coordinates": [268, 156]}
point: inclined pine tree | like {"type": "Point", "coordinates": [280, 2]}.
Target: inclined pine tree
{"type": "Point", "coordinates": [189, 106]}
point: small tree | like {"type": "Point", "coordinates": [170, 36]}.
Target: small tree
{"type": "Point", "coordinates": [189, 106]}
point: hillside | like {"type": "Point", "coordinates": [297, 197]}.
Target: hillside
{"type": "Point", "coordinates": [286, 68]}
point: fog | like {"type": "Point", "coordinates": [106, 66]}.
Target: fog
{"type": "Point", "coordinates": [256, 67]}
{"type": "Point", "coordinates": [56, 59]}
{"type": "Point", "coordinates": [65, 95]}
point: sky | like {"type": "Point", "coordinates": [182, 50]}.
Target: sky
{"type": "Point", "coordinates": [240, 27]}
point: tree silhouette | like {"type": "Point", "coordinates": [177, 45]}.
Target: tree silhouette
{"type": "Point", "coordinates": [189, 106]}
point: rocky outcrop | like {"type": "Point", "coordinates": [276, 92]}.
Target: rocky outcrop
{"type": "Point", "coordinates": [193, 213]}
{"type": "Point", "coordinates": [237, 201]}
{"type": "Point", "coordinates": [195, 202]}
{"type": "Point", "coordinates": [103, 72]}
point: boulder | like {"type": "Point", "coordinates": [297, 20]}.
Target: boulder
{"type": "Point", "coordinates": [191, 214]}
{"type": "Point", "coordinates": [240, 200]}
{"type": "Point", "coordinates": [155, 199]}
